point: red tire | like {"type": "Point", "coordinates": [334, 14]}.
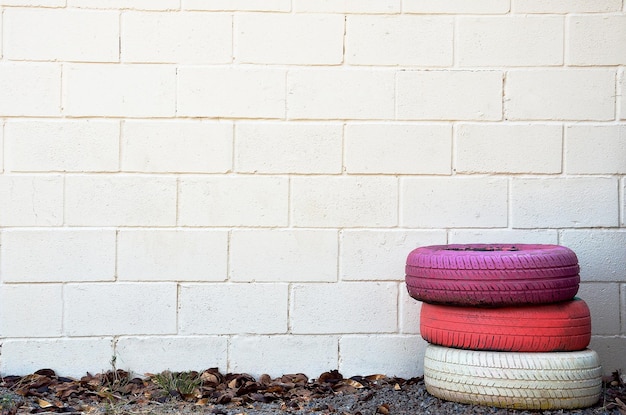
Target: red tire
{"type": "Point", "coordinates": [492, 275]}
{"type": "Point", "coordinates": [559, 327]}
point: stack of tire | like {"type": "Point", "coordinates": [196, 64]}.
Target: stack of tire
{"type": "Point", "coordinates": [504, 326]}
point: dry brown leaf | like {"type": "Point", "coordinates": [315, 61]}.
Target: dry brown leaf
{"type": "Point", "coordinates": [44, 404]}
{"type": "Point", "coordinates": [353, 383]}
{"type": "Point", "coordinates": [373, 378]}
{"type": "Point", "coordinates": [202, 402]}
{"type": "Point", "coordinates": [383, 409]}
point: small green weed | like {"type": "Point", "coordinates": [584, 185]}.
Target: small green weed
{"type": "Point", "coordinates": [185, 384]}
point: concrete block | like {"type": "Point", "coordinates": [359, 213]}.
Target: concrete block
{"type": "Point", "coordinates": [172, 255]}
{"type": "Point", "coordinates": [380, 254]}
{"type": "Point", "coordinates": [241, 308]}
{"type": "Point", "coordinates": [595, 149]}
{"type": "Point", "coordinates": [449, 95]}
{"type": "Point", "coordinates": [1, 144]}
{"type": "Point", "coordinates": [288, 148]}
{"type": "Point", "coordinates": [30, 89]}
{"type": "Point", "coordinates": [340, 94]}
{"type": "Point", "coordinates": [278, 38]}
{"type": "Point", "coordinates": [503, 236]}
{"type": "Point", "coordinates": [601, 253]}
{"type": "Point", "coordinates": [155, 354]}
{"type": "Point", "coordinates": [182, 38]}
{"type": "Point", "coordinates": [122, 90]}
{"type": "Point", "coordinates": [596, 40]}
{"type": "Point", "coordinates": [547, 203]}
{"type": "Point", "coordinates": [469, 202]}
{"type": "Point", "coordinates": [410, 310]}
{"type": "Point", "coordinates": [565, 6]}
{"type": "Point", "coordinates": [64, 35]}
{"type": "Point", "coordinates": [623, 203]}
{"type": "Point", "coordinates": [560, 94]}
{"type": "Point", "coordinates": [31, 200]}
{"type": "Point", "coordinates": [456, 6]}
{"type": "Point", "coordinates": [508, 148]}
{"type": "Point", "coordinates": [398, 148]}
{"type": "Point", "coordinates": [603, 300]}
{"type": "Point", "coordinates": [245, 92]}
{"type": "Point", "coordinates": [621, 90]}
{"type": "Point", "coordinates": [31, 310]}
{"type": "Point", "coordinates": [349, 307]}
{"type": "Point", "coordinates": [610, 349]}
{"type": "Point", "coordinates": [57, 255]}
{"type": "Point", "coordinates": [401, 356]}
{"type": "Point", "coordinates": [238, 5]}
{"type": "Point", "coordinates": [399, 40]}
{"type": "Point", "coordinates": [162, 5]}
{"type": "Point", "coordinates": [509, 41]}
{"type": "Point", "coordinates": [119, 308]}
{"type": "Point", "coordinates": [67, 357]}
{"type": "Point", "coordinates": [327, 201]}
{"type": "Point", "coordinates": [233, 201]}
{"type": "Point", "coordinates": [280, 355]}
{"type": "Point", "coordinates": [283, 255]}
{"type": "Point", "coordinates": [62, 146]}
{"type": "Point", "coordinates": [347, 6]}
{"type": "Point", "coordinates": [108, 200]}
{"type": "Point", "coordinates": [176, 147]}
{"type": "Point", "coordinates": [36, 3]}
{"type": "Point", "coordinates": [622, 290]}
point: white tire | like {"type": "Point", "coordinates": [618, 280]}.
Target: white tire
{"type": "Point", "coordinates": [559, 380]}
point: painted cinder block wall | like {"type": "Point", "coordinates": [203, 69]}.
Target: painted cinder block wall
{"type": "Point", "coordinates": [236, 183]}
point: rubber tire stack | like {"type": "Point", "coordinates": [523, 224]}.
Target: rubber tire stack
{"type": "Point", "coordinates": [504, 326]}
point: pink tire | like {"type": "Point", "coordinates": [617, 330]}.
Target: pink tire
{"type": "Point", "coordinates": [492, 275]}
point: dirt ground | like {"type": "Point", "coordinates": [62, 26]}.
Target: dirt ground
{"type": "Point", "coordinates": [210, 392]}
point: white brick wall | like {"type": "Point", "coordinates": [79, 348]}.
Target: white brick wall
{"type": "Point", "coordinates": [508, 148]}
{"type": "Point", "coordinates": [279, 355]}
{"type": "Point", "coordinates": [510, 41]}
{"type": "Point", "coordinates": [560, 95]}
{"type": "Point", "coordinates": [237, 183]}
{"type": "Point", "coordinates": [289, 39]}
{"type": "Point", "coordinates": [449, 95]}
{"type": "Point", "coordinates": [172, 255]}
{"type": "Point", "coordinates": [154, 354]}
{"type": "Point", "coordinates": [30, 89]}
{"type": "Point", "coordinates": [122, 90]}
{"type": "Point", "coordinates": [120, 308]}
{"type": "Point", "coordinates": [283, 256]}
{"type": "Point", "coordinates": [57, 255]}
{"type": "Point", "coordinates": [398, 148]}
{"type": "Point", "coordinates": [190, 38]}
{"type": "Point", "coordinates": [233, 308]}
{"type": "Point", "coordinates": [181, 147]}
{"type": "Point", "coordinates": [62, 146]}
{"type": "Point", "coordinates": [399, 40]}
{"type": "Point", "coordinates": [61, 35]}
{"type": "Point", "coordinates": [288, 148]}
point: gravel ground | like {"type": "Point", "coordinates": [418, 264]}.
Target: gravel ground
{"type": "Point", "coordinates": [363, 396]}
{"type": "Point", "coordinates": [386, 397]}
{"type": "Point", "coordinates": [411, 398]}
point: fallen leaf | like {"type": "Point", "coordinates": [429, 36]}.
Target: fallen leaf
{"type": "Point", "coordinates": [383, 409]}
{"type": "Point", "coordinates": [44, 404]}
{"type": "Point", "coordinates": [353, 383]}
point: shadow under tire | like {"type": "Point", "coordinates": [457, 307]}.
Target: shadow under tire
{"type": "Point", "coordinates": [492, 275]}
{"type": "Point", "coordinates": [556, 327]}
{"type": "Point", "coordinates": [535, 381]}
